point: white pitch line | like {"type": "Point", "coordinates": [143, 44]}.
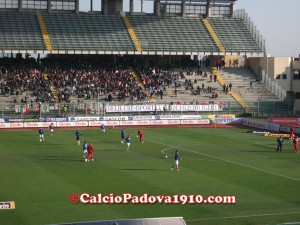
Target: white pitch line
{"type": "Point", "coordinates": [212, 160]}
{"type": "Point", "coordinates": [225, 160]}
{"type": "Point", "coordinates": [163, 151]}
{"type": "Point", "coordinates": [248, 216]}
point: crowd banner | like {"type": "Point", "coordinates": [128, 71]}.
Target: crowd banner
{"type": "Point", "coordinates": [197, 108]}
{"type": "Point", "coordinates": [176, 107]}
{"type": "Point", "coordinates": [131, 108]}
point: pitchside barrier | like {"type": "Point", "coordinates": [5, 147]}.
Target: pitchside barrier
{"type": "Point", "coordinates": [156, 120]}
{"type": "Point", "coordinates": [106, 123]}
{"type": "Point", "coordinates": [281, 130]}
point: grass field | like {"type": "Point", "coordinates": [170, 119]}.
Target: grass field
{"type": "Point", "coordinates": [39, 177]}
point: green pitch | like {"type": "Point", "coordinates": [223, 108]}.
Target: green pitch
{"type": "Point", "coordinates": [40, 176]}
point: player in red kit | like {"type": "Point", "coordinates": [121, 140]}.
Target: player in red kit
{"type": "Point", "coordinates": [292, 133]}
{"type": "Point", "coordinates": [295, 141]}
{"type": "Point", "coordinates": [90, 149]}
{"type": "Point", "coordinates": [140, 135]}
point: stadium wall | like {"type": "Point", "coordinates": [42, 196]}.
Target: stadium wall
{"type": "Point", "coordinates": [274, 72]}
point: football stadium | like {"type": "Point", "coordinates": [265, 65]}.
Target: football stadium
{"type": "Point", "coordinates": [123, 117]}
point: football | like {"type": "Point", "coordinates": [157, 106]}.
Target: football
{"type": "Point", "coordinates": [166, 156]}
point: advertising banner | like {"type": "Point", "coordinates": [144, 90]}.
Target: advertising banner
{"type": "Point", "coordinates": [37, 124]}
{"type": "Point", "coordinates": [196, 122]}
{"type": "Point", "coordinates": [55, 119]}
{"type": "Point", "coordinates": [72, 124]}
{"type": "Point", "coordinates": [284, 121]}
{"type": "Point", "coordinates": [11, 125]}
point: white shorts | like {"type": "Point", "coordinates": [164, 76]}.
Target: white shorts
{"type": "Point", "coordinates": [103, 131]}
{"type": "Point", "coordinates": [85, 152]}
{"type": "Point", "coordinates": [51, 130]}
{"type": "Point", "coordinates": [41, 135]}
{"type": "Point", "coordinates": [176, 162]}
{"type": "Point", "coordinates": [128, 144]}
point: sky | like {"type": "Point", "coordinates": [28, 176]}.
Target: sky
{"type": "Point", "coordinates": [278, 21]}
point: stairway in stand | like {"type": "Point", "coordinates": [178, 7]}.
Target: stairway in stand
{"type": "Point", "coordinates": [136, 77]}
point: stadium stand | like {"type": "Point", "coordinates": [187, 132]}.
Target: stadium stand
{"type": "Point", "coordinates": [234, 35]}
{"type": "Point", "coordinates": [172, 33]}
{"type": "Point", "coordinates": [86, 31]}
{"type": "Point", "coordinates": [240, 79]}
{"type": "Point", "coordinates": [20, 31]}
{"type": "Point", "coordinates": [92, 31]}
{"type": "Point", "coordinates": [66, 32]}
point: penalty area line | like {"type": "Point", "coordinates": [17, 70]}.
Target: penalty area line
{"type": "Point", "coordinates": [229, 161]}
{"type": "Point", "coordinates": [247, 216]}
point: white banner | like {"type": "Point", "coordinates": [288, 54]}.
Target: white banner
{"type": "Point", "coordinates": [196, 122]}
{"type": "Point", "coordinates": [109, 118]}
{"type": "Point", "coordinates": [37, 124]}
{"type": "Point", "coordinates": [201, 108]}
{"type": "Point", "coordinates": [130, 108]}
{"type": "Point", "coordinates": [191, 117]}
{"type": "Point", "coordinates": [160, 107]}
{"type": "Point", "coordinates": [165, 122]}
{"type": "Point", "coordinates": [11, 125]}
{"type": "Point", "coordinates": [97, 123]}
{"type": "Point", "coordinates": [135, 123]}
{"type": "Point", "coordinates": [72, 124]}
{"type": "Point", "coordinates": [112, 123]}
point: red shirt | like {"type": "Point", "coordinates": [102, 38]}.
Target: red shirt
{"type": "Point", "coordinates": [140, 133]}
{"type": "Point", "coordinates": [90, 148]}
{"type": "Point", "coordinates": [295, 141]}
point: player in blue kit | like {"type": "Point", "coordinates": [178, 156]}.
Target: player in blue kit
{"type": "Point", "coordinates": [78, 134]}
{"type": "Point", "coordinates": [128, 141]}
{"type": "Point", "coordinates": [85, 151]}
{"type": "Point", "coordinates": [123, 132]}
{"type": "Point", "coordinates": [41, 134]}
{"type": "Point", "coordinates": [103, 129]}
{"type": "Point", "coordinates": [176, 163]}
